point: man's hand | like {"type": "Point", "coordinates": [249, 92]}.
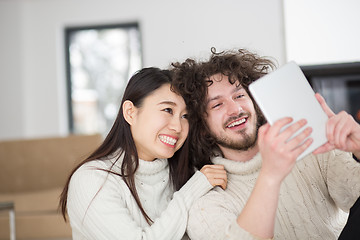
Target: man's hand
{"type": "Point", "coordinates": [342, 131]}
{"type": "Point", "coordinates": [279, 150]}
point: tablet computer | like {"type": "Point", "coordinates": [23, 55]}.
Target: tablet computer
{"type": "Point", "coordinates": [287, 93]}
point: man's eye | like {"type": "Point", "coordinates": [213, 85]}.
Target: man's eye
{"type": "Point", "coordinates": [168, 110]}
{"type": "Point", "coordinates": [240, 96]}
{"type": "Point", "coordinates": [216, 105]}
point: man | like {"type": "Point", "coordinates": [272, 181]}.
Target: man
{"type": "Point", "coordinates": [269, 194]}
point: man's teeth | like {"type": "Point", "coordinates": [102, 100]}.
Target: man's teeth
{"type": "Point", "coordinates": [237, 123]}
{"type": "Point", "coordinates": [168, 140]}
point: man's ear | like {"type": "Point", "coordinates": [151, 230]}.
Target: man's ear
{"type": "Point", "coordinates": [129, 111]}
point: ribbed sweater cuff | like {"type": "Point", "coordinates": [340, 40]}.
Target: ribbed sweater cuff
{"type": "Point", "coordinates": [195, 188]}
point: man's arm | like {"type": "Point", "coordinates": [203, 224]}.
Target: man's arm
{"type": "Point", "coordinates": [211, 217]}
{"type": "Point", "coordinates": [279, 155]}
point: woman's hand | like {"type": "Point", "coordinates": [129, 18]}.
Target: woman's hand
{"type": "Point", "coordinates": [279, 150]}
{"type": "Point", "coordinates": [342, 131]}
{"type": "Point", "coordinates": [216, 175]}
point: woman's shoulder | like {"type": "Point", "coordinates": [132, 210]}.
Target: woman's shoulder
{"type": "Point", "coordinates": [94, 179]}
{"type": "Point", "coordinates": [110, 163]}
{"type": "Point", "coordinates": [98, 170]}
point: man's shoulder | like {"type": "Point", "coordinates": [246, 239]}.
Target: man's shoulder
{"type": "Point", "coordinates": [215, 198]}
{"type": "Point", "coordinates": [211, 214]}
{"type": "Point", "coordinates": [324, 157]}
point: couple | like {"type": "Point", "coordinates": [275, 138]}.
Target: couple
{"type": "Point", "coordinates": [143, 182]}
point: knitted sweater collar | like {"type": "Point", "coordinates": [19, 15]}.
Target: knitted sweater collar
{"type": "Point", "coordinates": [239, 168]}
{"type": "Point", "coordinates": [151, 167]}
{"type": "Point", "coordinates": [145, 167]}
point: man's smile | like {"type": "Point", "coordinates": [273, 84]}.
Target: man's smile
{"type": "Point", "coordinates": [237, 122]}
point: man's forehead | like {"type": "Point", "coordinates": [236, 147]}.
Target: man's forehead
{"type": "Point", "coordinates": [215, 91]}
{"type": "Point", "coordinates": [220, 79]}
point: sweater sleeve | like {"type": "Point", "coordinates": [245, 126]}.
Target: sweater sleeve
{"type": "Point", "coordinates": [343, 177]}
{"type": "Point", "coordinates": [98, 210]}
{"type": "Point", "coordinates": [213, 217]}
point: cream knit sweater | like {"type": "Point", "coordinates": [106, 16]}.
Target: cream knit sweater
{"type": "Point", "coordinates": [100, 205]}
{"type": "Point", "coordinates": [310, 202]}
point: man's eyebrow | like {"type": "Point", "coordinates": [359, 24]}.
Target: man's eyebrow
{"type": "Point", "coordinates": [236, 89]}
{"type": "Point", "coordinates": [213, 99]}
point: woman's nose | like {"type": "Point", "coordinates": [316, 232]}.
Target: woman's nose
{"type": "Point", "coordinates": [175, 124]}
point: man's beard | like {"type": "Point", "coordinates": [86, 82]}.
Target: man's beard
{"type": "Point", "coordinates": [248, 141]}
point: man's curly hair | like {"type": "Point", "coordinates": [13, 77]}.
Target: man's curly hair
{"type": "Point", "coordinates": [192, 79]}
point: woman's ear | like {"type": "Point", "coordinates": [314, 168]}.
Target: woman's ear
{"type": "Point", "coordinates": [129, 111]}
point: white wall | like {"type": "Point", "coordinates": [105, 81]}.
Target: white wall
{"type": "Point", "coordinates": [32, 71]}
{"type": "Point", "coordinates": [322, 31]}
{"type": "Point", "coordinates": [11, 82]}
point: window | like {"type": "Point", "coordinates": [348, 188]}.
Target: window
{"type": "Point", "coordinates": [99, 61]}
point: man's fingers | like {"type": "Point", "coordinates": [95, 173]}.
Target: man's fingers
{"type": "Point", "coordinates": [324, 106]}
{"type": "Point", "coordinates": [296, 141]}
{"type": "Point", "coordinates": [324, 148]}
{"type": "Point", "coordinates": [274, 130]}
{"type": "Point", "coordinates": [299, 150]}
{"type": "Point", "coordinates": [292, 129]}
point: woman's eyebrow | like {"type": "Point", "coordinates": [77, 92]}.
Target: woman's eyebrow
{"type": "Point", "coordinates": [167, 103]}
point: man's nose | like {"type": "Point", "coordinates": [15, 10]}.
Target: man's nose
{"type": "Point", "coordinates": [233, 108]}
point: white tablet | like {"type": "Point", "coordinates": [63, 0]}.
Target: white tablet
{"type": "Point", "coordinates": [287, 93]}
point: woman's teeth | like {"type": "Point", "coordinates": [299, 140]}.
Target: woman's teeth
{"type": "Point", "coordinates": [168, 140]}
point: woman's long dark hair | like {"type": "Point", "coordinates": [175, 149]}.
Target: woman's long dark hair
{"type": "Point", "coordinates": [120, 141]}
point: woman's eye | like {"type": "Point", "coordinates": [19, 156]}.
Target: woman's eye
{"type": "Point", "coordinates": [240, 96]}
{"type": "Point", "coordinates": [185, 116]}
{"type": "Point", "coordinates": [168, 110]}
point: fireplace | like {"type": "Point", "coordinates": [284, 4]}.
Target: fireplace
{"type": "Point", "coordinates": [339, 84]}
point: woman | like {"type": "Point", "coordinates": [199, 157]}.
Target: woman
{"type": "Point", "coordinates": [125, 188]}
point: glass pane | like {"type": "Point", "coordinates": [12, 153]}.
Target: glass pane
{"type": "Point", "coordinates": [354, 98]}
{"type": "Point", "coordinates": [101, 61]}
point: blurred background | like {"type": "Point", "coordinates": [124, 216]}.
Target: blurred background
{"type": "Point", "coordinates": [64, 63]}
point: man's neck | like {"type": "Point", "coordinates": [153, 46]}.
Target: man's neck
{"type": "Point", "coordinates": [239, 155]}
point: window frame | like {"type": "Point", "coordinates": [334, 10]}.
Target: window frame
{"type": "Point", "coordinates": [67, 34]}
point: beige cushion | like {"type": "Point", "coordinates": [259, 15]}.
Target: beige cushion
{"type": "Point", "coordinates": [44, 163]}
{"type": "Point", "coordinates": [32, 176]}
{"type": "Point", "coordinates": [36, 226]}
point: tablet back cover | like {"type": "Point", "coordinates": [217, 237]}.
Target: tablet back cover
{"type": "Point", "coordinates": [287, 93]}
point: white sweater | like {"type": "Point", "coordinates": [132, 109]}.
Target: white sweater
{"type": "Point", "coordinates": [100, 205]}
{"type": "Point", "coordinates": [309, 203]}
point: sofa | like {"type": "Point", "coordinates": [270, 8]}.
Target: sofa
{"type": "Point", "coordinates": [32, 175]}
